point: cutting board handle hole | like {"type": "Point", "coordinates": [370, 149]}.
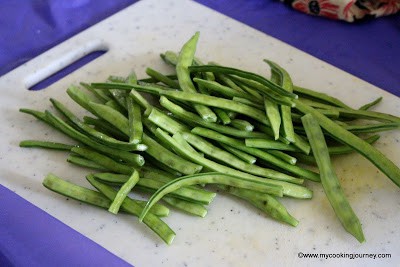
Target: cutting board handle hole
{"type": "Point", "coordinates": [57, 70]}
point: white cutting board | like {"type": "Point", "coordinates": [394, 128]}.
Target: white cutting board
{"type": "Point", "coordinates": [233, 233]}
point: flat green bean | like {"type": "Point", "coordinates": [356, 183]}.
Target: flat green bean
{"type": "Point", "coordinates": [329, 180]}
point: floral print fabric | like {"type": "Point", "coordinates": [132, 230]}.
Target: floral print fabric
{"type": "Point", "coordinates": [348, 10]}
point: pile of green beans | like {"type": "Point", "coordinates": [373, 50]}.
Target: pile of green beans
{"type": "Point", "coordinates": [208, 128]}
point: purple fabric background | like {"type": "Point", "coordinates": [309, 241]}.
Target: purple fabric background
{"type": "Point", "coordinates": [29, 236]}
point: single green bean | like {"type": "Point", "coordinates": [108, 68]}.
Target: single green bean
{"type": "Point", "coordinates": [83, 162]}
{"type": "Point", "coordinates": [242, 125]}
{"type": "Point", "coordinates": [240, 154]}
{"type": "Point", "coordinates": [45, 144]}
{"type": "Point", "coordinates": [329, 180]}
{"type": "Point", "coordinates": [166, 122]}
{"type": "Point", "coordinates": [185, 59]}
{"type": "Point", "coordinates": [371, 104]}
{"type": "Point", "coordinates": [134, 121]}
{"type": "Point", "coordinates": [162, 78]}
{"type": "Point", "coordinates": [269, 204]}
{"type": "Point", "coordinates": [186, 206]}
{"type": "Point", "coordinates": [269, 144]}
{"type": "Point", "coordinates": [123, 192]}
{"type": "Point", "coordinates": [322, 97]}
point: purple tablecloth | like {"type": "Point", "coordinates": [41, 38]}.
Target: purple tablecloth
{"type": "Point", "coordinates": [368, 50]}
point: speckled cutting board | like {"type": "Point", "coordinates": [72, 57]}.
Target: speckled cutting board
{"type": "Point", "coordinates": [233, 233]}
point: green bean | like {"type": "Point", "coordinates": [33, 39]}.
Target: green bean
{"type": "Point", "coordinates": [188, 207]}
{"type": "Point", "coordinates": [166, 122]}
{"type": "Point", "coordinates": [219, 103]}
{"type": "Point", "coordinates": [113, 104]}
{"type": "Point", "coordinates": [303, 173]}
{"type": "Point", "coordinates": [162, 78]}
{"type": "Point", "coordinates": [286, 82]}
{"type": "Point", "coordinates": [331, 113]}
{"type": "Point", "coordinates": [80, 98]}
{"type": "Point", "coordinates": [101, 95]}
{"type": "Point", "coordinates": [233, 161]}
{"type": "Point", "coordinates": [152, 80]}
{"type": "Point", "coordinates": [45, 144]}
{"type": "Point", "coordinates": [221, 89]}
{"type": "Point", "coordinates": [329, 180]}
{"type": "Point", "coordinates": [264, 202]}
{"type": "Point", "coordinates": [223, 116]}
{"type": "Point", "coordinates": [112, 116]}
{"type": "Point", "coordinates": [227, 81]}
{"type": "Point", "coordinates": [151, 220]}
{"type": "Point", "coordinates": [102, 160]}
{"type": "Point", "coordinates": [283, 156]}
{"type": "Point", "coordinates": [187, 116]}
{"type": "Point", "coordinates": [240, 154]}
{"type": "Point", "coordinates": [123, 192]}
{"type": "Point", "coordinates": [159, 165]}
{"type": "Point", "coordinates": [269, 144]}
{"type": "Point", "coordinates": [243, 74]}
{"type": "Point", "coordinates": [322, 97]}
{"type": "Point", "coordinates": [168, 158]}
{"type": "Point", "coordinates": [152, 172]}
{"type": "Point", "coordinates": [289, 189]}
{"type": "Point", "coordinates": [187, 146]}
{"type": "Point", "coordinates": [68, 189]}
{"type": "Point", "coordinates": [242, 125]}
{"type": "Point", "coordinates": [248, 102]}
{"type": "Point", "coordinates": [83, 162]}
{"type": "Point", "coordinates": [371, 104]}
{"type": "Point", "coordinates": [37, 114]}
{"type": "Point", "coordinates": [371, 153]}
{"type": "Point", "coordinates": [372, 128]}
{"type": "Point", "coordinates": [134, 121]}
{"type": "Point", "coordinates": [336, 150]}
{"type": "Point", "coordinates": [170, 58]}
{"type": "Point", "coordinates": [119, 97]}
{"type": "Point", "coordinates": [116, 79]}
{"type": "Point", "coordinates": [268, 131]}
{"type": "Point", "coordinates": [131, 158]}
{"type": "Point", "coordinates": [185, 59]}
{"type": "Point", "coordinates": [100, 137]}
{"type": "Point", "coordinates": [105, 127]}
{"type": "Point", "coordinates": [274, 116]}
{"type": "Point", "coordinates": [366, 114]}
